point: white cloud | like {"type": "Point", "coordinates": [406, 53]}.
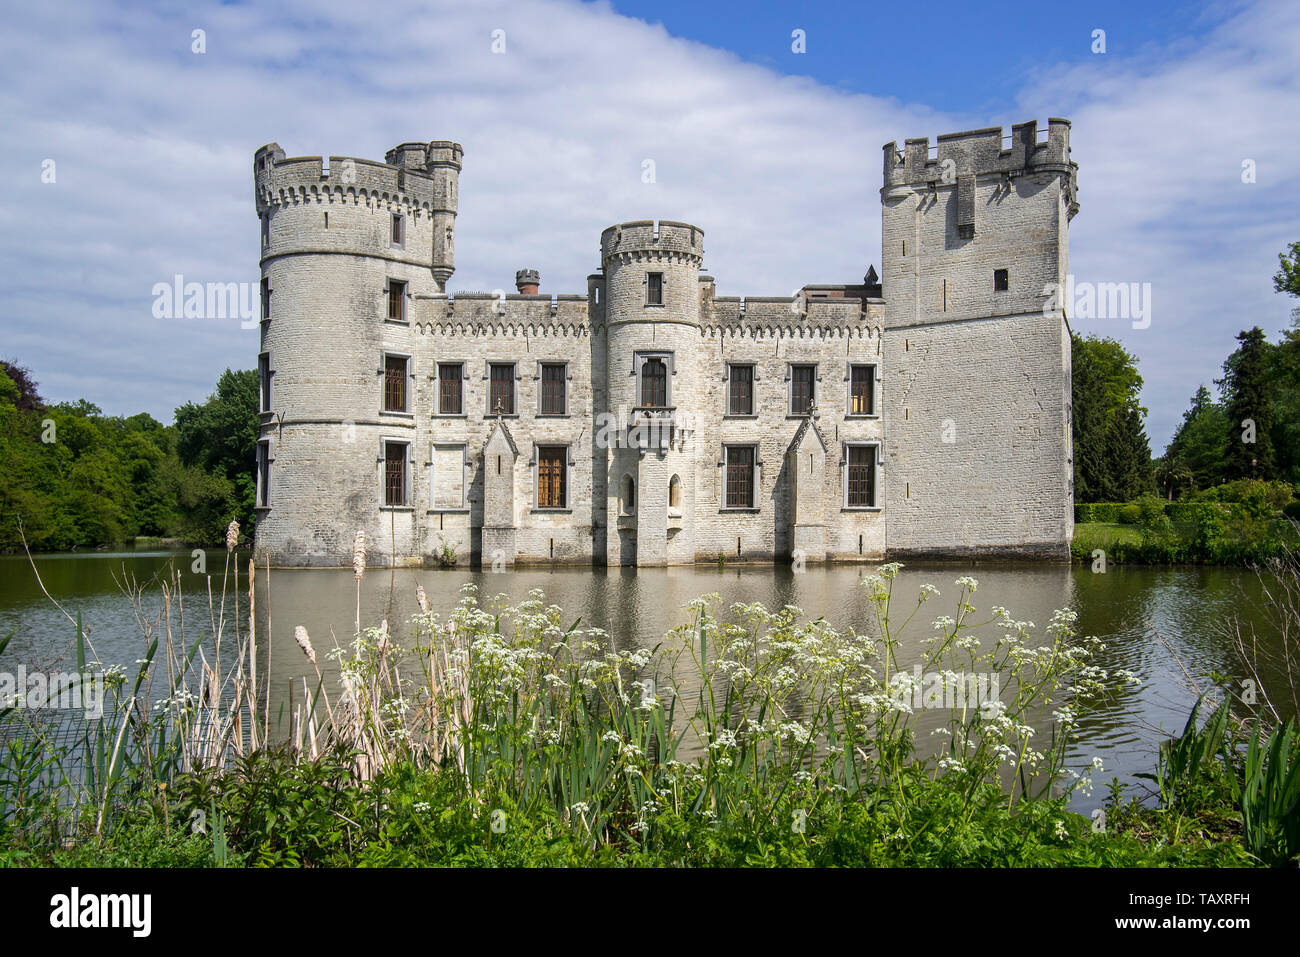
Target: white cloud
{"type": "Point", "coordinates": [154, 147]}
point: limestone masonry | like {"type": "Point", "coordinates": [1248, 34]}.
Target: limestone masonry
{"type": "Point", "coordinates": [922, 412]}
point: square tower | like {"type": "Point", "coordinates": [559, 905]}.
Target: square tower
{"type": "Point", "coordinates": [977, 407]}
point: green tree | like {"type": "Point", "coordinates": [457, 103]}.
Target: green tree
{"type": "Point", "coordinates": [1112, 454]}
{"type": "Point", "coordinates": [1249, 406]}
{"type": "Point", "coordinates": [1199, 443]}
{"type": "Point", "coordinates": [220, 437]}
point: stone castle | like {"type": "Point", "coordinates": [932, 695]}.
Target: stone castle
{"type": "Point", "coordinates": [923, 412]}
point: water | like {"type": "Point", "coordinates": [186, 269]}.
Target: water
{"type": "Point", "coordinates": [1187, 607]}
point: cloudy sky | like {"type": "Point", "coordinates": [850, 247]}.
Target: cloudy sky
{"type": "Point", "coordinates": [775, 153]}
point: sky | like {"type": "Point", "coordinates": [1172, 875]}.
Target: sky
{"type": "Point", "coordinates": [127, 152]}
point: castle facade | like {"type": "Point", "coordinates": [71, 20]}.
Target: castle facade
{"type": "Point", "coordinates": [923, 412]}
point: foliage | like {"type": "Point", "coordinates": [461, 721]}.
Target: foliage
{"type": "Point", "coordinates": [1249, 407]}
{"type": "Point", "coordinates": [1112, 454]}
{"type": "Point", "coordinates": [76, 478]}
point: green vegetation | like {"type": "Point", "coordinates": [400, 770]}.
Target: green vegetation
{"type": "Point", "coordinates": [1238, 523]}
{"type": "Point", "coordinates": [76, 478]}
{"type": "Point", "coordinates": [1253, 431]}
{"type": "Point", "coordinates": [1112, 456]}
{"type": "Point", "coordinates": [503, 737]}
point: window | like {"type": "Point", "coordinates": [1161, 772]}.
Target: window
{"type": "Point", "coordinates": [264, 380]}
{"type": "Point", "coordinates": [553, 388]}
{"type": "Point", "coordinates": [264, 474]}
{"type": "Point", "coordinates": [801, 389]}
{"type": "Point", "coordinates": [629, 495]}
{"type": "Point", "coordinates": [861, 485]}
{"type": "Point", "coordinates": [395, 473]}
{"type": "Point", "coordinates": [501, 388]}
{"type": "Point", "coordinates": [450, 389]}
{"type": "Point", "coordinates": [398, 230]}
{"type": "Point", "coordinates": [396, 300]}
{"type": "Point", "coordinates": [862, 389]}
{"type": "Point", "coordinates": [654, 383]}
{"type": "Point", "coordinates": [654, 289]}
{"type": "Point", "coordinates": [551, 485]}
{"type": "Point", "coordinates": [395, 368]}
{"type": "Point", "coordinates": [266, 299]}
{"type": "Point", "coordinates": [675, 493]}
{"type": "Point", "coordinates": [1001, 280]}
{"type": "Point", "coordinates": [740, 390]}
{"type": "Point", "coordinates": [740, 476]}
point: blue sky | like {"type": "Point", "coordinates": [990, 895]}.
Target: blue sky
{"type": "Point", "coordinates": [153, 148]}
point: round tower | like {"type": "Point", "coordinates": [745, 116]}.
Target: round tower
{"type": "Point", "coordinates": [652, 321]}
{"type": "Point", "coordinates": [347, 247]}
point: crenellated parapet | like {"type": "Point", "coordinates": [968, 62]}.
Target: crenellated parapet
{"type": "Point", "coordinates": [981, 153]}
{"type": "Point", "coordinates": [418, 176]}
{"type": "Point", "coordinates": [647, 240]}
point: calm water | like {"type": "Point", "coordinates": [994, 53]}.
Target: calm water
{"type": "Point", "coordinates": [1186, 606]}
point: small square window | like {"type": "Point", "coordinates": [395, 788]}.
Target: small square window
{"type": "Point", "coordinates": [1001, 281]}
{"type": "Point", "coordinates": [396, 300]}
{"type": "Point", "coordinates": [654, 289]}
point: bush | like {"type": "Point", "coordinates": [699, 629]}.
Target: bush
{"type": "Point", "coordinates": [1106, 513]}
{"type": "Point", "coordinates": [1292, 510]}
{"type": "Point", "coordinates": [1130, 514]}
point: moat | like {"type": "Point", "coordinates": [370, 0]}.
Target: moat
{"type": "Point", "coordinates": [1188, 606]}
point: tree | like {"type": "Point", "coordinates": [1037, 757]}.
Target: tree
{"type": "Point", "coordinates": [220, 437]}
{"type": "Point", "coordinates": [27, 399]}
{"type": "Point", "coordinates": [1249, 407]}
{"type": "Point", "coordinates": [1199, 443]}
{"type": "Point", "coordinates": [1112, 455]}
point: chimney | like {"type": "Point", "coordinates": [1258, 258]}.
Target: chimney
{"type": "Point", "coordinates": [526, 281]}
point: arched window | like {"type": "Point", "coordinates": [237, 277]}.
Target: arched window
{"type": "Point", "coordinates": [675, 492]}
{"type": "Point", "coordinates": [629, 494]}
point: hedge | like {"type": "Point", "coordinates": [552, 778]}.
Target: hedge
{"type": "Point", "coordinates": [1110, 513]}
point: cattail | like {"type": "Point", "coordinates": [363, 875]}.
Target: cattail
{"type": "Point", "coordinates": [304, 642]}
{"type": "Point", "coordinates": [232, 535]}
{"type": "Point", "coordinates": [421, 599]}
{"type": "Point", "coordinates": [359, 554]}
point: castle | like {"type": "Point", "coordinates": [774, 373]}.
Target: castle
{"type": "Point", "coordinates": [924, 412]}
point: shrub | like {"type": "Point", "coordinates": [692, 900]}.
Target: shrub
{"type": "Point", "coordinates": [1130, 514]}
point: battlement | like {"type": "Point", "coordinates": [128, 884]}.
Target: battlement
{"type": "Point", "coordinates": [986, 151]}
{"type": "Point", "coordinates": [409, 177]}
{"type": "Point", "coordinates": [649, 239]}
